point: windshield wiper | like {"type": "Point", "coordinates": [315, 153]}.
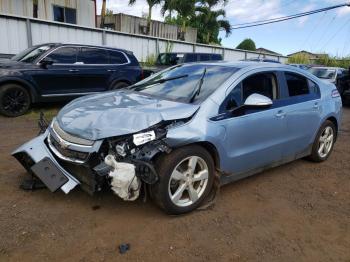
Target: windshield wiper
{"type": "Point", "coordinates": [160, 81]}
{"type": "Point", "coordinates": [197, 90]}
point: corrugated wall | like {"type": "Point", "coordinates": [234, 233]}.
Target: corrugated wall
{"type": "Point", "coordinates": [16, 37]}
{"type": "Point", "coordinates": [85, 9]}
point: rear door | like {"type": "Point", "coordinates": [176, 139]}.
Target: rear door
{"type": "Point", "coordinates": [302, 110]}
{"type": "Point", "coordinates": [94, 69]}
{"type": "Point", "coordinates": [62, 76]}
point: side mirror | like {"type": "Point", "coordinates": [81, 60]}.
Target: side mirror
{"type": "Point", "coordinates": [46, 61]}
{"type": "Point", "coordinates": [257, 100]}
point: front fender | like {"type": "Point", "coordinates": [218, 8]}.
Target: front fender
{"type": "Point", "coordinates": [30, 87]}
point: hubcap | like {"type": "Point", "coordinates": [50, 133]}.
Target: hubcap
{"type": "Point", "coordinates": [188, 181]}
{"type": "Point", "coordinates": [325, 142]}
{"type": "Point", "coordinates": [14, 101]}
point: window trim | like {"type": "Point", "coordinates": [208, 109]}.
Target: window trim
{"type": "Point", "coordinates": [80, 63]}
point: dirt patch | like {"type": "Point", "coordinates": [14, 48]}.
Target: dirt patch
{"type": "Point", "coordinates": [296, 212]}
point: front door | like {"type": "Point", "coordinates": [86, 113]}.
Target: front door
{"type": "Point", "coordinates": [254, 136]}
{"type": "Point", "coordinates": [60, 78]}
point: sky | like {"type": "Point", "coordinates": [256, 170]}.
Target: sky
{"type": "Point", "coordinates": [326, 32]}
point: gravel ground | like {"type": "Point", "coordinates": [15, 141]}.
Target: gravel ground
{"type": "Point", "coordinates": [296, 212]}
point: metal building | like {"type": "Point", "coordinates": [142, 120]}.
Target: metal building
{"type": "Point", "coordinates": [138, 25]}
{"type": "Point", "coordinates": [80, 12]}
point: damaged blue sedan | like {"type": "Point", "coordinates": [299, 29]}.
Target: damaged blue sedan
{"type": "Point", "coordinates": [174, 133]}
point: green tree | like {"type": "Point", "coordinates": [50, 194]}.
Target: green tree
{"type": "Point", "coordinates": [151, 4]}
{"type": "Point", "coordinates": [247, 44]}
{"type": "Point", "coordinates": [185, 10]}
{"type": "Point", "coordinates": [201, 14]}
{"type": "Point", "coordinates": [209, 23]}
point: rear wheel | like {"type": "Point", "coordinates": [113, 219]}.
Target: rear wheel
{"type": "Point", "coordinates": [119, 85]}
{"type": "Point", "coordinates": [324, 142]}
{"type": "Point", "coordinates": [185, 178]}
{"type": "Point", "coordinates": [14, 100]}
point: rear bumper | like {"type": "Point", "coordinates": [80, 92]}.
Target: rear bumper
{"type": "Point", "coordinates": [37, 150]}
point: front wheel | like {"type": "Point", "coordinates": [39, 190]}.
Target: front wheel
{"type": "Point", "coordinates": [324, 142]}
{"type": "Point", "coordinates": [186, 177]}
{"type": "Point", "coordinates": [14, 100]}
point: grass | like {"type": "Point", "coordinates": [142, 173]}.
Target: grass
{"type": "Point", "coordinates": [50, 111]}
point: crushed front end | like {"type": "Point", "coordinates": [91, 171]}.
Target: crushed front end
{"type": "Point", "coordinates": [63, 161]}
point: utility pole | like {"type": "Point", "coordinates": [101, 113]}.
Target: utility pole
{"type": "Point", "coordinates": [103, 14]}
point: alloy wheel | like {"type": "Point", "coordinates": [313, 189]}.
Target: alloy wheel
{"type": "Point", "coordinates": [15, 101]}
{"type": "Point", "coordinates": [326, 142]}
{"type": "Point", "coordinates": [188, 181]}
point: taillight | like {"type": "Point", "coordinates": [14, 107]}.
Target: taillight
{"type": "Point", "coordinates": [142, 75]}
{"type": "Point", "coordinates": [335, 93]}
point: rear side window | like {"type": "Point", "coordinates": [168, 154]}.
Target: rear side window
{"type": "Point", "coordinates": [64, 55]}
{"type": "Point", "coordinates": [93, 56]}
{"type": "Point", "coordinates": [297, 84]}
{"type": "Point", "coordinates": [116, 57]}
{"type": "Point", "coordinates": [216, 57]}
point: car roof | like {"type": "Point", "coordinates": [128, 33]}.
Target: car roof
{"type": "Point", "coordinates": [245, 64]}
{"type": "Point", "coordinates": [83, 45]}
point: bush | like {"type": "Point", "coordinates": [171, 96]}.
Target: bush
{"type": "Point", "coordinates": [247, 44]}
{"type": "Point", "coordinates": [299, 59]}
{"type": "Point", "coordinates": [150, 60]}
{"type": "Point", "coordinates": [334, 61]}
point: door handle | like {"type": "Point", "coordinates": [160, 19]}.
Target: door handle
{"type": "Point", "coordinates": [280, 114]}
{"type": "Point", "coordinates": [111, 70]}
{"type": "Point", "coordinates": [73, 70]}
{"type": "Point", "coordinates": [316, 106]}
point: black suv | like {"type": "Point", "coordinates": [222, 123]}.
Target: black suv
{"type": "Point", "coordinates": [169, 59]}
{"type": "Point", "coordinates": [53, 72]}
{"type": "Point", "coordinates": [165, 60]}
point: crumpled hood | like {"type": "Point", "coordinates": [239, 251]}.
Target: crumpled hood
{"type": "Point", "coordinates": [118, 113]}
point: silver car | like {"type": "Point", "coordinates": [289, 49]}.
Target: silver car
{"type": "Point", "coordinates": [177, 131]}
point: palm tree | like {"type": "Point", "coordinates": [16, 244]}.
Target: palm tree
{"type": "Point", "coordinates": [209, 23]}
{"type": "Point", "coordinates": [184, 9]}
{"type": "Point", "coordinates": [151, 4]}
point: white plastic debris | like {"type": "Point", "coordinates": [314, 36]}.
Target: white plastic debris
{"type": "Point", "coordinates": [143, 138]}
{"type": "Point", "coordinates": [124, 181]}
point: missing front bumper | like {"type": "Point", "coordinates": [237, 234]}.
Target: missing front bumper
{"type": "Point", "coordinates": [35, 151]}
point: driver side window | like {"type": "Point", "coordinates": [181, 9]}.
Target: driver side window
{"type": "Point", "coordinates": [261, 83]}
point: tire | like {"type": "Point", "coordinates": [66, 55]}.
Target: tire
{"type": "Point", "coordinates": [171, 182]}
{"type": "Point", "coordinates": [318, 155]}
{"type": "Point", "coordinates": [119, 85]}
{"type": "Point", "coordinates": [14, 100]}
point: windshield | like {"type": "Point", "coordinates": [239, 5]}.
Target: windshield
{"type": "Point", "coordinates": [324, 73]}
{"type": "Point", "coordinates": [30, 54]}
{"type": "Point", "coordinates": [186, 79]}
